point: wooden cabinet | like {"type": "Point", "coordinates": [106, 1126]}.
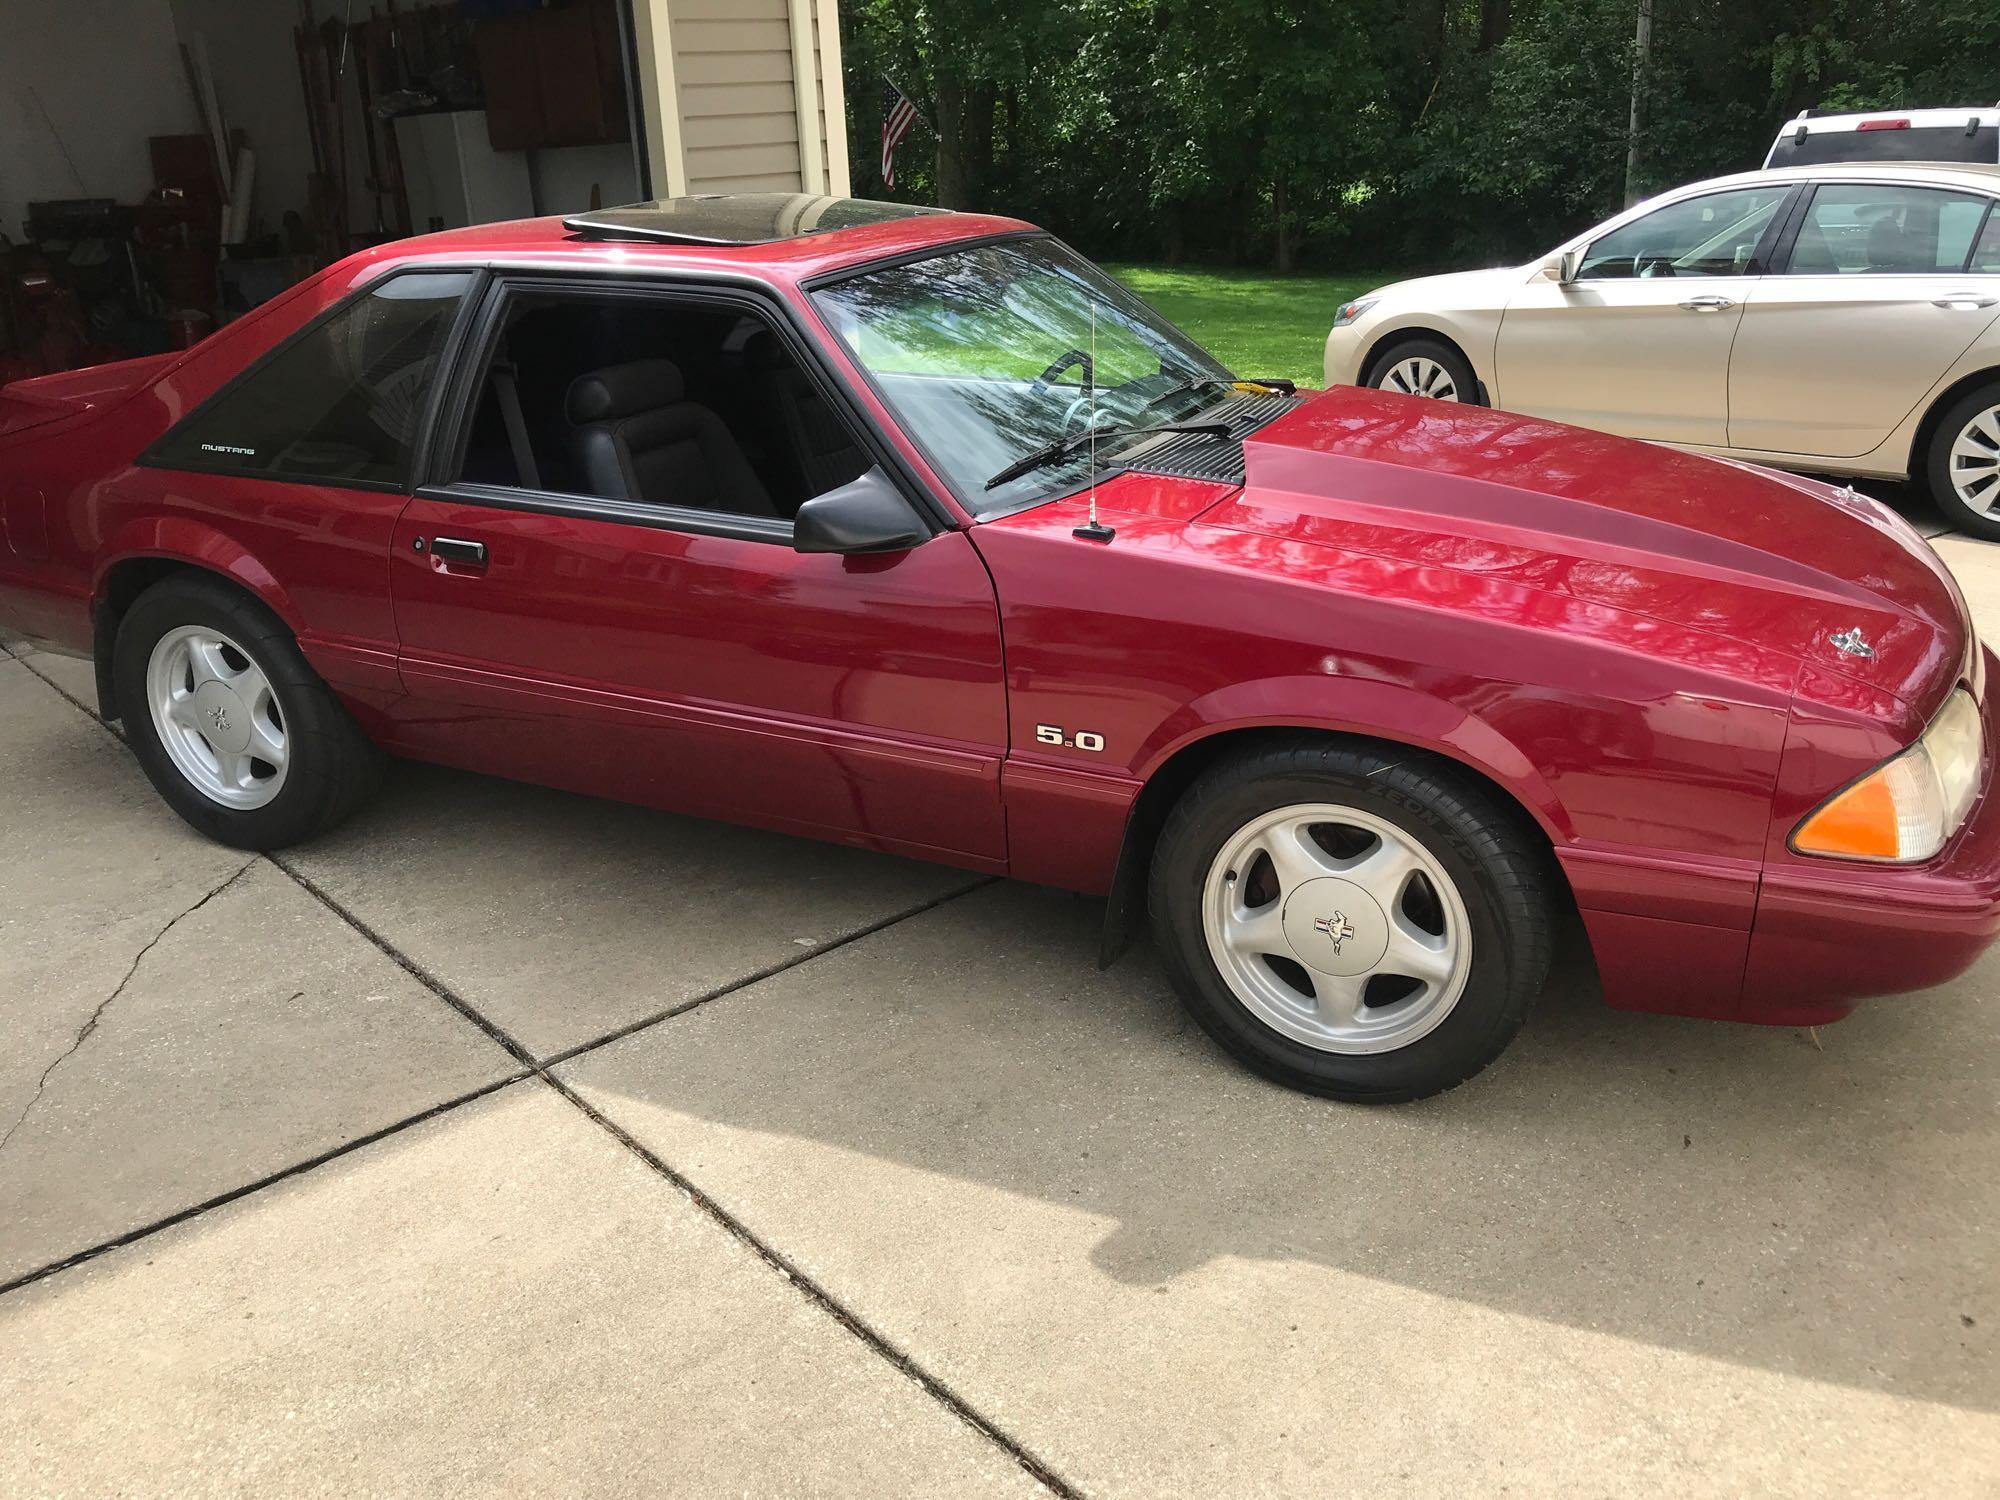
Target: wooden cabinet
{"type": "Point", "coordinates": [553, 77]}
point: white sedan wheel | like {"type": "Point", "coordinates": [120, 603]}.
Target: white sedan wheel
{"type": "Point", "coordinates": [1418, 375]}
{"type": "Point", "coordinates": [1975, 461]}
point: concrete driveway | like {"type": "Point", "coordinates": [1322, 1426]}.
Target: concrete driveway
{"type": "Point", "coordinates": [510, 1139]}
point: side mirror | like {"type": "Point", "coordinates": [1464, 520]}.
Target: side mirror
{"type": "Point", "coordinates": [1563, 268]}
{"type": "Point", "coordinates": [867, 515]}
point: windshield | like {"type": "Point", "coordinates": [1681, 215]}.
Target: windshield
{"type": "Point", "coordinates": [984, 355]}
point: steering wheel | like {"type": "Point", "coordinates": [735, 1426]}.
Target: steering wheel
{"type": "Point", "coordinates": [1040, 385]}
{"type": "Point", "coordinates": [1076, 416]}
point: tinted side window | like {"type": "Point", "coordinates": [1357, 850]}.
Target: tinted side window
{"type": "Point", "coordinates": [665, 401]}
{"type": "Point", "coordinates": [1714, 235]}
{"type": "Point", "coordinates": [1863, 229]}
{"type": "Point", "coordinates": [338, 405]}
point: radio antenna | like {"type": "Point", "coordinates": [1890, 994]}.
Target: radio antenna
{"type": "Point", "coordinates": [1093, 530]}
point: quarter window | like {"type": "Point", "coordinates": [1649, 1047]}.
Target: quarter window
{"type": "Point", "coordinates": [1879, 229]}
{"type": "Point", "coordinates": [1986, 254]}
{"type": "Point", "coordinates": [341, 403]}
{"type": "Point", "coordinates": [1713, 235]}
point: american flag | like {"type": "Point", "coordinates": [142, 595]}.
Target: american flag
{"type": "Point", "coordinates": [898, 115]}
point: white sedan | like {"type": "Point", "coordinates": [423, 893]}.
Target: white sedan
{"type": "Point", "coordinates": [1836, 319]}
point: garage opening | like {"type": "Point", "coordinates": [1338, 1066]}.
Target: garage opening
{"type": "Point", "coordinates": [166, 165]}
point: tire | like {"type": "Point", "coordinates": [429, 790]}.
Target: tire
{"type": "Point", "coordinates": [1485, 899]}
{"type": "Point", "coordinates": [1425, 367]}
{"type": "Point", "coordinates": [228, 665]}
{"type": "Point", "coordinates": [1964, 484]}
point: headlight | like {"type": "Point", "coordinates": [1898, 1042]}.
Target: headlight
{"type": "Point", "coordinates": [1347, 312]}
{"type": "Point", "coordinates": [1906, 810]}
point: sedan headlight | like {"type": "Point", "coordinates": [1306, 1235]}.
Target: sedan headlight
{"type": "Point", "coordinates": [1347, 312]}
{"type": "Point", "coordinates": [1906, 810]}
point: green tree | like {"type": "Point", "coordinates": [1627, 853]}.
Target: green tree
{"type": "Point", "coordinates": [1421, 132]}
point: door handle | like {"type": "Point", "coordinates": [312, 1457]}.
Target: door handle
{"type": "Point", "coordinates": [1967, 300]}
{"type": "Point", "coordinates": [1708, 304]}
{"type": "Point", "coordinates": [451, 549]}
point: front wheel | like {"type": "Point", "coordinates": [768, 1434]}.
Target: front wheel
{"type": "Point", "coordinates": [1425, 367]}
{"type": "Point", "coordinates": [230, 724]}
{"type": "Point", "coordinates": [1354, 924]}
{"type": "Point", "coordinates": [1963, 464]}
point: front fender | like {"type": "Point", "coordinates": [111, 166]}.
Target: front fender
{"type": "Point", "coordinates": [1475, 333]}
{"type": "Point", "coordinates": [1370, 709]}
{"type": "Point", "coordinates": [1380, 711]}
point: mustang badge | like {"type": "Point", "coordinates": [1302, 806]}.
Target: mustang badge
{"type": "Point", "coordinates": [1849, 643]}
{"type": "Point", "coordinates": [220, 718]}
{"type": "Point", "coordinates": [1336, 927]}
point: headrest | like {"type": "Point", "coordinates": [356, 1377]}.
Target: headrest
{"type": "Point", "coordinates": [620, 390]}
{"type": "Point", "coordinates": [1888, 245]}
{"type": "Point", "coordinates": [762, 351]}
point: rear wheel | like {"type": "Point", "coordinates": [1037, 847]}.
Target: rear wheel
{"type": "Point", "coordinates": [1963, 464]}
{"type": "Point", "coordinates": [1425, 367]}
{"type": "Point", "coordinates": [230, 724]}
{"type": "Point", "coordinates": [1363, 926]}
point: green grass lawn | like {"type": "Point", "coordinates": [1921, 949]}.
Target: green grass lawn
{"type": "Point", "coordinates": [1257, 324]}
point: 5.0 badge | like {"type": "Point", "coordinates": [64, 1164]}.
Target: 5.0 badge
{"type": "Point", "coordinates": [1083, 739]}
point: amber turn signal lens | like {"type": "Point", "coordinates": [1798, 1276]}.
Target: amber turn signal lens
{"type": "Point", "coordinates": [1860, 823]}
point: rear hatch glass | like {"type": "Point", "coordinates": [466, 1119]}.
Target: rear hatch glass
{"type": "Point", "coordinates": [1919, 143]}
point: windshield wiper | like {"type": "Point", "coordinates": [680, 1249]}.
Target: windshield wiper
{"type": "Point", "coordinates": [1282, 387]}
{"type": "Point", "coordinates": [1061, 448]}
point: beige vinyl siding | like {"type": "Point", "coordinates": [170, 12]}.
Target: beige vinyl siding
{"type": "Point", "coordinates": [739, 113]}
{"type": "Point", "coordinates": [827, 66]}
{"type": "Point", "coordinates": [819, 76]}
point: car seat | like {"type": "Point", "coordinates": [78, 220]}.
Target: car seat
{"type": "Point", "coordinates": [636, 436]}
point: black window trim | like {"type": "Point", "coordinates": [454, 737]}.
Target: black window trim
{"type": "Point", "coordinates": [1795, 218]}
{"type": "Point", "coordinates": [458, 394]}
{"type": "Point", "coordinates": [624, 512]}
{"type": "Point", "coordinates": [151, 456]}
{"type": "Point", "coordinates": [826, 279]}
{"type": "Point", "coordinates": [1762, 258]}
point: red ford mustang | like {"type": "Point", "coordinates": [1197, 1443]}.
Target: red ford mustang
{"type": "Point", "coordinates": [780, 510]}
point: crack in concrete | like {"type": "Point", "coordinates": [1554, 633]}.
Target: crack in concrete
{"type": "Point", "coordinates": [541, 1069]}
{"type": "Point", "coordinates": [71, 699]}
{"type": "Point", "coordinates": [84, 1031]}
{"type": "Point", "coordinates": [932, 1385]}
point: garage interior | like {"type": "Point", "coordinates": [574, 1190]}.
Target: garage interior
{"type": "Point", "coordinates": [166, 165]}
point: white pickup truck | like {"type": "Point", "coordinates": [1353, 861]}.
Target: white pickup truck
{"type": "Point", "coordinates": [1962, 134]}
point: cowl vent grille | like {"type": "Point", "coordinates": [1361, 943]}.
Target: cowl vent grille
{"type": "Point", "coordinates": [1188, 455]}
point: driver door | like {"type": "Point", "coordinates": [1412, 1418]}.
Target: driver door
{"type": "Point", "coordinates": [1639, 343]}
{"type": "Point", "coordinates": [642, 628]}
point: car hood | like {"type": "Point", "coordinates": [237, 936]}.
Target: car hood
{"type": "Point", "coordinates": [1768, 561]}
{"type": "Point", "coordinates": [1491, 288]}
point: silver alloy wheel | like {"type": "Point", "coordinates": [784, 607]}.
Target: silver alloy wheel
{"type": "Point", "coordinates": [1975, 461]}
{"type": "Point", "coordinates": [1419, 376]}
{"type": "Point", "coordinates": [217, 717]}
{"type": "Point", "coordinates": [1337, 928]}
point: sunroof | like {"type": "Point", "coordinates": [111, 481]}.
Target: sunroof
{"type": "Point", "coordinates": [737, 218]}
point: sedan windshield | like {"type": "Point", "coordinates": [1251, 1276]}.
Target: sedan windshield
{"type": "Point", "coordinates": [986, 355]}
